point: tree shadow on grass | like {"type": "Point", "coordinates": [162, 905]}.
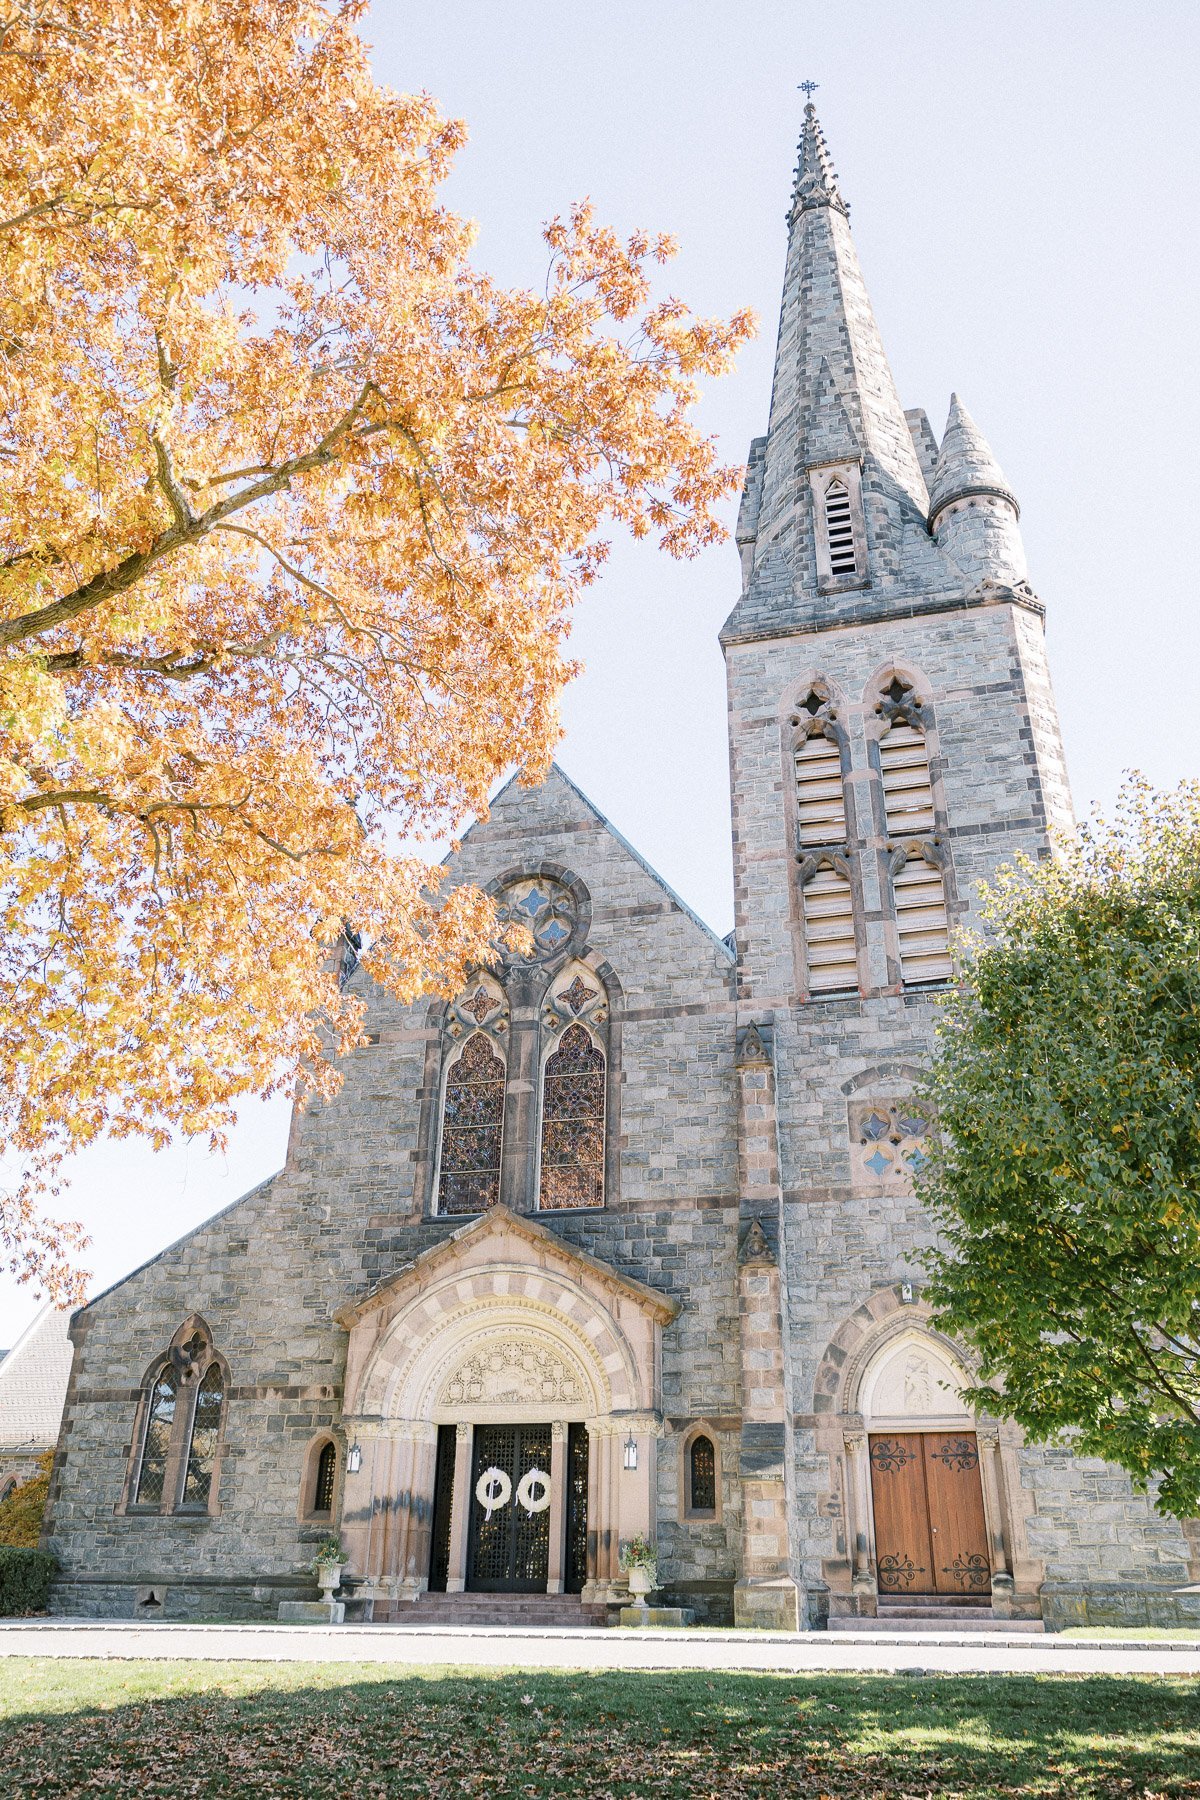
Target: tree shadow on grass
{"type": "Point", "coordinates": [233, 1729]}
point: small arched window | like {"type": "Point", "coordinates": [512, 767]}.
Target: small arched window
{"type": "Point", "coordinates": [472, 1130]}
{"type": "Point", "coordinates": [839, 530]}
{"type": "Point", "coordinates": [324, 1479]}
{"type": "Point", "coordinates": [572, 1166]}
{"type": "Point", "coordinates": [702, 1476]}
{"type": "Point", "coordinates": [156, 1441]}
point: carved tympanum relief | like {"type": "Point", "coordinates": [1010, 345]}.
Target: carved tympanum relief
{"type": "Point", "coordinates": [916, 1380]}
{"type": "Point", "coordinates": [514, 1372]}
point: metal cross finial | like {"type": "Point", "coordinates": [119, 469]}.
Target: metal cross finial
{"type": "Point", "coordinates": [808, 89]}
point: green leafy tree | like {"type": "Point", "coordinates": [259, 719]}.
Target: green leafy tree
{"type": "Point", "coordinates": [1067, 1172]}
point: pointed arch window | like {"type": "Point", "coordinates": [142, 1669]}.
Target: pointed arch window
{"type": "Point", "coordinates": [702, 1476]}
{"type": "Point", "coordinates": [325, 1479]}
{"type": "Point", "coordinates": [472, 1129]}
{"type": "Point", "coordinates": [573, 1104]}
{"type": "Point", "coordinates": [178, 1442]}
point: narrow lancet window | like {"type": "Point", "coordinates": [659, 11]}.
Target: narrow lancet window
{"type": "Point", "coordinates": [703, 1476]}
{"type": "Point", "coordinates": [572, 1171]}
{"type": "Point", "coordinates": [206, 1427]}
{"type": "Point", "coordinates": [472, 1129]}
{"type": "Point", "coordinates": [156, 1443]}
{"type": "Point", "coordinates": [326, 1476]}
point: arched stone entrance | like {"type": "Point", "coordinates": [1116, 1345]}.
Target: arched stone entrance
{"type": "Point", "coordinates": [491, 1388]}
{"type": "Point", "coordinates": [930, 1495]}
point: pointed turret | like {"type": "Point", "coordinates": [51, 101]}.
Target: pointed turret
{"type": "Point", "coordinates": [973, 512]}
{"type": "Point", "coordinates": [965, 465]}
{"type": "Point", "coordinates": [836, 418]}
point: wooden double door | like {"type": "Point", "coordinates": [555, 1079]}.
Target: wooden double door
{"type": "Point", "coordinates": [930, 1534]}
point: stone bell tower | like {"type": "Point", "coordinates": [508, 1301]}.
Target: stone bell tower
{"type": "Point", "coordinates": [893, 738]}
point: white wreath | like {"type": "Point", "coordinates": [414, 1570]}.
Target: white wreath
{"type": "Point", "coordinates": [525, 1490]}
{"type": "Point", "coordinates": [493, 1490]}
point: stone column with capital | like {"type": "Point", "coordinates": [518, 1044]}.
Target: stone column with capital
{"type": "Point", "coordinates": [858, 1520]}
{"type": "Point", "coordinates": [558, 1507]}
{"type": "Point", "coordinates": [991, 1474]}
{"type": "Point", "coordinates": [460, 1510]}
{"type": "Point", "coordinates": [767, 1593]}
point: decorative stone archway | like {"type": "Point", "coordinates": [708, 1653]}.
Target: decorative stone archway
{"type": "Point", "coordinates": [501, 1323]}
{"type": "Point", "coordinates": [889, 1369]}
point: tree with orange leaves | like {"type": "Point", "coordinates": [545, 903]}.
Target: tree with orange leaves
{"type": "Point", "coordinates": [296, 506]}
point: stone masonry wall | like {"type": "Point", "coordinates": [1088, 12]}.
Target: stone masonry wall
{"type": "Point", "coordinates": [347, 1211]}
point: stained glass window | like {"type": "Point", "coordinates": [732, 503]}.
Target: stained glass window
{"type": "Point", "coordinates": [160, 1417]}
{"type": "Point", "coordinates": [202, 1451]}
{"type": "Point", "coordinates": [573, 1123]}
{"type": "Point", "coordinates": [703, 1476]}
{"type": "Point", "coordinates": [472, 1128]}
{"type": "Point", "coordinates": [326, 1475]}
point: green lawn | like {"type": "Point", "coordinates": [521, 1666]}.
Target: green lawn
{"type": "Point", "coordinates": [234, 1729]}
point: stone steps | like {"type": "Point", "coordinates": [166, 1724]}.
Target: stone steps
{"type": "Point", "coordinates": [932, 1613]}
{"type": "Point", "coordinates": [936, 1623]}
{"type": "Point", "coordinates": [516, 1610]}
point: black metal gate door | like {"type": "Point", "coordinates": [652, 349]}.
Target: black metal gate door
{"type": "Point", "coordinates": [509, 1541]}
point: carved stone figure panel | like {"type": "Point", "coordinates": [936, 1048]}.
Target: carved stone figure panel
{"type": "Point", "coordinates": [514, 1372]}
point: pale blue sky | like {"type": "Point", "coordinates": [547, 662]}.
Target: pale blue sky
{"type": "Point", "coordinates": [1024, 190]}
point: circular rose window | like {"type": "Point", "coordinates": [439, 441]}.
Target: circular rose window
{"type": "Point", "coordinates": [546, 909]}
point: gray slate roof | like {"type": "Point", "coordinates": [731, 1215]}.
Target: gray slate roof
{"type": "Point", "coordinates": [33, 1382]}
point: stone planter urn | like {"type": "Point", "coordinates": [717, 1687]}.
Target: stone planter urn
{"type": "Point", "coordinates": [641, 1582]}
{"type": "Point", "coordinates": [328, 1577]}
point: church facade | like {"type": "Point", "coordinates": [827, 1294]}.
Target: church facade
{"type": "Point", "coordinates": [624, 1240]}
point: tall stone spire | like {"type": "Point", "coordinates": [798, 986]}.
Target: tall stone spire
{"type": "Point", "coordinates": [833, 398]}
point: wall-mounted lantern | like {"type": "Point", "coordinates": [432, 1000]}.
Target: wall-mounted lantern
{"type": "Point", "coordinates": [631, 1452]}
{"type": "Point", "coordinates": [353, 1460]}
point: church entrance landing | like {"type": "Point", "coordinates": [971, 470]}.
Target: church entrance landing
{"type": "Point", "coordinates": [503, 1394]}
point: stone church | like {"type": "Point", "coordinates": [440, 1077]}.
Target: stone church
{"type": "Point", "coordinates": [624, 1239]}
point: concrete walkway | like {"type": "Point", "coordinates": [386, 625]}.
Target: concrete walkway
{"type": "Point", "coordinates": [407, 1647]}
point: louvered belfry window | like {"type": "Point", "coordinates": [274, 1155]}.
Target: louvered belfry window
{"type": "Point", "coordinates": [829, 931]}
{"type": "Point", "coordinates": [917, 883]}
{"type": "Point", "coordinates": [820, 797]}
{"type": "Point", "coordinates": [826, 898]}
{"type": "Point", "coordinates": [839, 530]}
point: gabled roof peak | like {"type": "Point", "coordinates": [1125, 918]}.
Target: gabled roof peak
{"type": "Point", "coordinates": [816, 178]}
